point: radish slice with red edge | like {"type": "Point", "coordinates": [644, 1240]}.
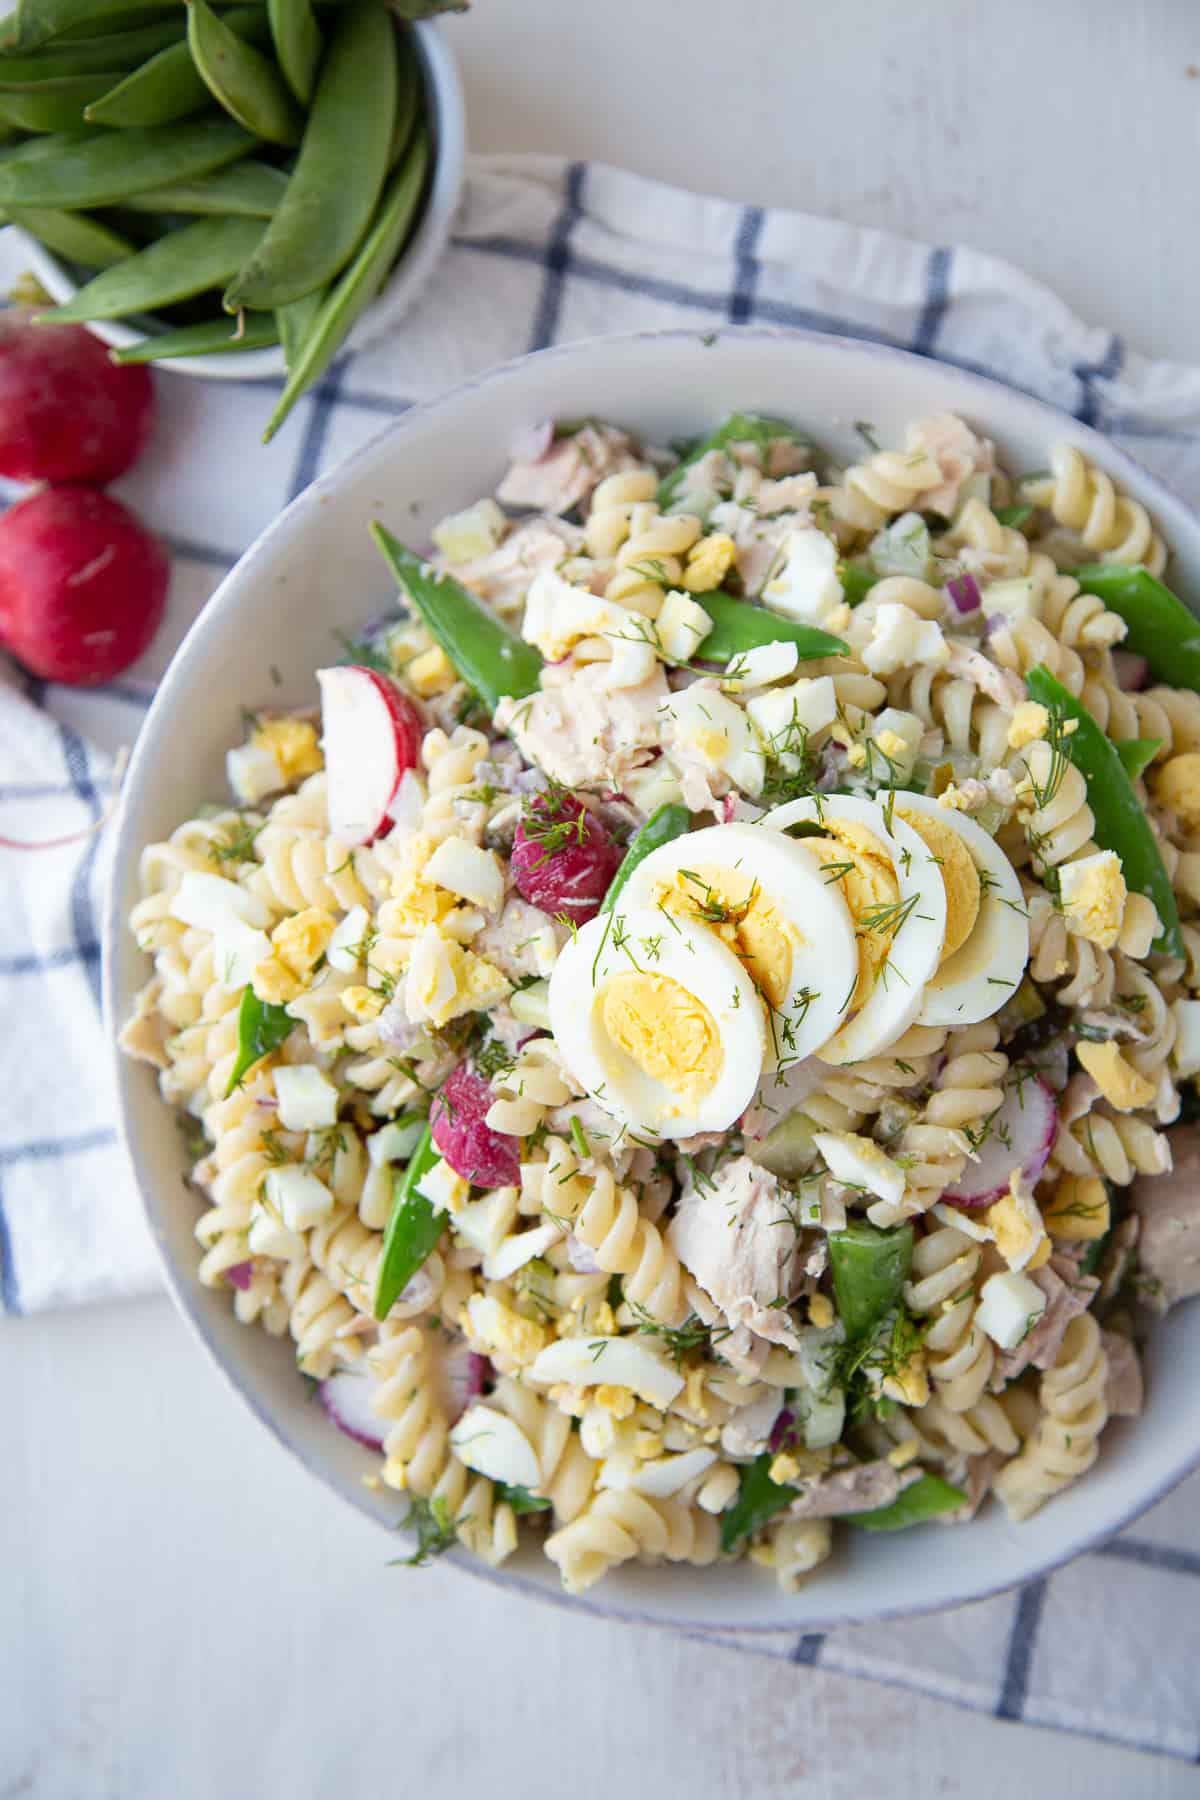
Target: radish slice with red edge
{"type": "Point", "coordinates": [1133, 671]}
{"type": "Point", "coordinates": [346, 1397]}
{"type": "Point", "coordinates": [464, 1377]}
{"type": "Point", "coordinates": [1020, 1137]}
{"type": "Point", "coordinates": [371, 733]}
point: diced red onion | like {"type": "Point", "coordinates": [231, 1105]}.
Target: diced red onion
{"type": "Point", "coordinates": [1133, 671]}
{"type": "Point", "coordinates": [780, 1430]}
{"type": "Point", "coordinates": [240, 1275]}
{"type": "Point", "coordinates": [964, 591]}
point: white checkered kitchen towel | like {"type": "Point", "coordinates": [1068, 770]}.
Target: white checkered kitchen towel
{"type": "Point", "coordinates": [544, 253]}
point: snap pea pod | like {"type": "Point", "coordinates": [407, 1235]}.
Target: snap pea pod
{"type": "Point", "coordinates": [738, 626]}
{"type": "Point", "coordinates": [758, 1499]}
{"type": "Point", "coordinates": [103, 167]}
{"type": "Point", "coordinates": [60, 107]}
{"type": "Point", "coordinates": [339, 174]}
{"type": "Point", "coordinates": [250, 189]}
{"type": "Point", "coordinates": [1137, 754]}
{"type": "Point", "coordinates": [869, 1269]}
{"type": "Point", "coordinates": [857, 581]}
{"type": "Point", "coordinates": [739, 428]}
{"type": "Point", "coordinates": [294, 322]}
{"type": "Point", "coordinates": [169, 86]}
{"type": "Point", "coordinates": [358, 284]}
{"type": "Point", "coordinates": [1161, 627]}
{"type": "Point", "coordinates": [176, 267]}
{"type": "Point", "coordinates": [408, 100]}
{"type": "Point", "coordinates": [662, 827]}
{"type": "Point", "coordinates": [298, 44]}
{"type": "Point", "coordinates": [241, 79]}
{"type": "Point", "coordinates": [413, 1229]}
{"type": "Point", "coordinates": [74, 235]}
{"type": "Point", "coordinates": [492, 660]}
{"type": "Point", "coordinates": [202, 339]}
{"type": "Point", "coordinates": [1121, 823]}
{"type": "Point", "coordinates": [262, 1027]}
{"type": "Point", "coordinates": [37, 21]}
{"type": "Point", "coordinates": [922, 1499]}
{"type": "Point", "coordinates": [118, 50]}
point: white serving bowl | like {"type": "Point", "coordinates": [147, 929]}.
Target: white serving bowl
{"type": "Point", "coordinates": [447, 121]}
{"type": "Point", "coordinates": [315, 571]}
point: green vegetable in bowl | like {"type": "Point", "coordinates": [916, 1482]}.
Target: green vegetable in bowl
{"type": "Point", "coordinates": [662, 827]}
{"type": "Point", "coordinates": [413, 1228]}
{"type": "Point", "coordinates": [738, 626]}
{"type": "Point", "coordinates": [870, 1268]}
{"type": "Point", "coordinates": [1161, 627]}
{"type": "Point", "coordinates": [262, 1027]}
{"type": "Point", "coordinates": [739, 428]}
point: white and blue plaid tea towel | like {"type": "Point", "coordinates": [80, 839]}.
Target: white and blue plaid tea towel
{"type": "Point", "coordinates": [546, 252]}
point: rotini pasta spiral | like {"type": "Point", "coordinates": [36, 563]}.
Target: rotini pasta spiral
{"type": "Point", "coordinates": [1086, 501]}
{"type": "Point", "coordinates": [959, 1354]}
{"type": "Point", "coordinates": [1074, 1412]}
{"type": "Point", "coordinates": [619, 1526]}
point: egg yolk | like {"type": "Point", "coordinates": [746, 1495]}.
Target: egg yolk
{"type": "Point", "coordinates": [959, 876]}
{"type": "Point", "coordinates": [670, 1034]}
{"type": "Point", "coordinates": [733, 905]}
{"type": "Point", "coordinates": [853, 859]}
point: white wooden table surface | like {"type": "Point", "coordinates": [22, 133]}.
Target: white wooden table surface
{"type": "Point", "coordinates": [184, 1614]}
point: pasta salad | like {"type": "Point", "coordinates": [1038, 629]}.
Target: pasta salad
{"type": "Point", "coordinates": [683, 1037]}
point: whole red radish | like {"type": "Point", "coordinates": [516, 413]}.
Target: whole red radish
{"type": "Point", "coordinates": [66, 412]}
{"type": "Point", "coordinates": [563, 860]}
{"type": "Point", "coordinates": [372, 733]}
{"type": "Point", "coordinates": [458, 1116]}
{"type": "Point", "coordinates": [82, 585]}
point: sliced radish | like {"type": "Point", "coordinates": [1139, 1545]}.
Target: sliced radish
{"type": "Point", "coordinates": [346, 1397]}
{"type": "Point", "coordinates": [372, 734]}
{"type": "Point", "coordinates": [1019, 1138]}
{"type": "Point", "coordinates": [464, 1376]}
{"type": "Point", "coordinates": [1133, 671]}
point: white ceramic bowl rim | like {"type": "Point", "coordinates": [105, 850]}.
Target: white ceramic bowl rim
{"type": "Point", "coordinates": [405, 280]}
{"type": "Point", "coordinates": [977, 395]}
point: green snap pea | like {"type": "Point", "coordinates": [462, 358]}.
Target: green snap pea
{"type": "Point", "coordinates": [339, 174]}
{"type": "Point", "coordinates": [662, 827]}
{"type": "Point", "coordinates": [413, 1229]}
{"type": "Point", "coordinates": [56, 107]}
{"type": "Point", "coordinates": [241, 79]}
{"type": "Point", "coordinates": [1161, 627]}
{"type": "Point", "coordinates": [202, 339]}
{"type": "Point", "coordinates": [491, 659]}
{"type": "Point", "coordinates": [298, 44]}
{"type": "Point", "coordinates": [176, 267]}
{"type": "Point", "coordinates": [119, 50]}
{"type": "Point", "coordinates": [739, 428]}
{"type": "Point", "coordinates": [262, 1027]}
{"type": "Point", "coordinates": [74, 235]}
{"type": "Point", "coordinates": [104, 167]}
{"type": "Point", "coordinates": [738, 626]}
{"type": "Point", "coordinates": [869, 1269]}
{"type": "Point", "coordinates": [857, 581]}
{"type": "Point", "coordinates": [250, 189]}
{"type": "Point", "coordinates": [758, 1499]}
{"type": "Point", "coordinates": [169, 86]}
{"type": "Point", "coordinates": [294, 323]}
{"type": "Point", "coordinates": [408, 100]}
{"type": "Point", "coordinates": [1137, 754]}
{"type": "Point", "coordinates": [1121, 823]}
{"type": "Point", "coordinates": [359, 283]}
{"type": "Point", "coordinates": [38, 21]}
{"type": "Point", "coordinates": [922, 1499]}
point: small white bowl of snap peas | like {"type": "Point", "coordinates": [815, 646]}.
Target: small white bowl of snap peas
{"type": "Point", "coordinates": [312, 283]}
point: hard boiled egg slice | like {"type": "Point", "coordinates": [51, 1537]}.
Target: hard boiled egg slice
{"type": "Point", "coordinates": [898, 901]}
{"type": "Point", "coordinates": [986, 968]}
{"type": "Point", "coordinates": [659, 1021]}
{"type": "Point", "coordinates": [786, 923]}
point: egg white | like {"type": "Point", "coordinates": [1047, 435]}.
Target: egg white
{"type": "Point", "coordinates": [824, 955]}
{"type": "Point", "coordinates": [646, 941]}
{"type": "Point", "coordinates": [986, 971]}
{"type": "Point", "coordinates": [898, 994]}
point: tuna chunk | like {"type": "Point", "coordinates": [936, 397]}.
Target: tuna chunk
{"type": "Point", "coordinates": [568, 470]}
{"type": "Point", "coordinates": [583, 733]}
{"type": "Point", "coordinates": [144, 1034]}
{"type": "Point", "coordinates": [1000, 685]}
{"type": "Point", "coordinates": [958, 453]}
{"type": "Point", "coordinates": [734, 1234]}
{"type": "Point", "coordinates": [1169, 1241]}
{"type": "Point", "coordinates": [1123, 1390]}
{"type": "Point", "coordinates": [859, 1489]}
{"type": "Point", "coordinates": [504, 575]}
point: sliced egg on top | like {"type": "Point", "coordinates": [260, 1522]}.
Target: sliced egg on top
{"type": "Point", "coordinates": [762, 896]}
{"type": "Point", "coordinates": [659, 1021]}
{"type": "Point", "coordinates": [986, 966]}
{"type": "Point", "coordinates": [898, 901]}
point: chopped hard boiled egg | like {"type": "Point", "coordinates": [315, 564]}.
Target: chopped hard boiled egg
{"type": "Point", "coordinates": [807, 586]}
{"type": "Point", "coordinates": [1010, 1305]}
{"type": "Point", "coordinates": [761, 895]}
{"type": "Point", "coordinates": [469, 871]}
{"type": "Point", "coordinates": [1121, 1084]}
{"type": "Point", "coordinates": [975, 980]}
{"type": "Point", "coordinates": [960, 877]}
{"type": "Point", "coordinates": [627, 1362]}
{"type": "Point", "coordinates": [682, 626]}
{"type": "Point", "coordinates": [300, 1198]}
{"type": "Point", "coordinates": [708, 726]}
{"type": "Point", "coordinates": [1093, 894]}
{"type": "Point", "coordinates": [859, 1162]}
{"type": "Point", "coordinates": [759, 666]}
{"type": "Point", "coordinates": [658, 1021]}
{"type": "Point", "coordinates": [494, 1445]}
{"type": "Point", "coordinates": [785, 714]}
{"type": "Point", "coordinates": [559, 615]}
{"type": "Point", "coordinates": [210, 903]}
{"type": "Point", "coordinates": [900, 639]}
{"type": "Point", "coordinates": [307, 1099]}
{"type": "Point", "coordinates": [474, 532]}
